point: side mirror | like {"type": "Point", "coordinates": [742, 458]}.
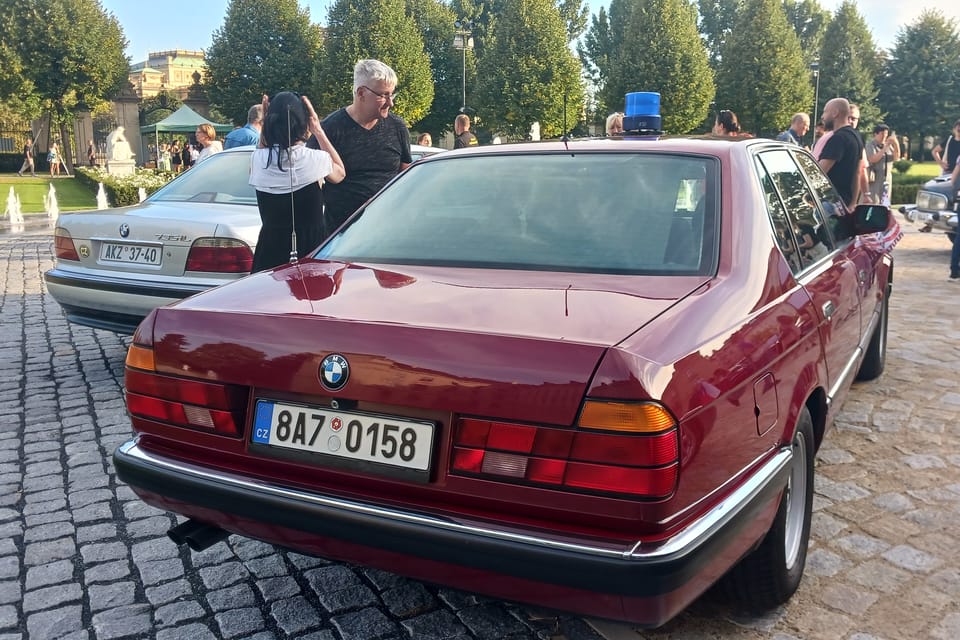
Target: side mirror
{"type": "Point", "coordinates": [871, 218]}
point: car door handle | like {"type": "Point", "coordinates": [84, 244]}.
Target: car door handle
{"type": "Point", "coordinates": [828, 309]}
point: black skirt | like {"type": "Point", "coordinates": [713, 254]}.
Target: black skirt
{"type": "Point", "coordinates": [274, 244]}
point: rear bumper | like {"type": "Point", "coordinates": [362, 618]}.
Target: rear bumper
{"type": "Point", "coordinates": [111, 303]}
{"type": "Point", "coordinates": [678, 570]}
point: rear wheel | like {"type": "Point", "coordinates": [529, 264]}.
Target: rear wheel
{"type": "Point", "coordinates": [876, 357]}
{"type": "Point", "coordinates": [771, 573]}
{"type": "Point", "coordinates": [952, 236]}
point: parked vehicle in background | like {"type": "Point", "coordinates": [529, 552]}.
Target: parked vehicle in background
{"type": "Point", "coordinates": [587, 375]}
{"type": "Point", "coordinates": [936, 206]}
{"type": "Point", "coordinates": [114, 266]}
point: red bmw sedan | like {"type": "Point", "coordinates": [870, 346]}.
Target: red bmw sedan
{"type": "Point", "coordinates": [588, 375]}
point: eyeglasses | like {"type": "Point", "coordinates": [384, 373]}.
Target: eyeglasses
{"type": "Point", "coordinates": [392, 97]}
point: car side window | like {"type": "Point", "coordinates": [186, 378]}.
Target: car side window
{"type": "Point", "coordinates": [831, 204]}
{"type": "Point", "coordinates": [782, 229]}
{"type": "Point", "coordinates": [813, 239]}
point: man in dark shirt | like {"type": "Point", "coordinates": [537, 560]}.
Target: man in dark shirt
{"type": "Point", "coordinates": [28, 159]}
{"type": "Point", "coordinates": [950, 148]}
{"type": "Point", "coordinates": [843, 153]}
{"type": "Point", "coordinates": [373, 143]}
{"type": "Point", "coordinates": [461, 126]}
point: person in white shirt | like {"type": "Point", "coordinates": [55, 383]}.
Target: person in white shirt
{"type": "Point", "coordinates": [207, 138]}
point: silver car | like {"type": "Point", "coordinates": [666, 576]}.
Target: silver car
{"type": "Point", "coordinates": [936, 207]}
{"type": "Point", "coordinates": [114, 266]}
{"type": "Point", "coordinates": [199, 231]}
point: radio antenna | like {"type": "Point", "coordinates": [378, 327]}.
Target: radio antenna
{"type": "Point", "coordinates": [293, 216]}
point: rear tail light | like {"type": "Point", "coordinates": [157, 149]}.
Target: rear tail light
{"type": "Point", "coordinates": [181, 402]}
{"type": "Point", "coordinates": [63, 246]}
{"type": "Point", "coordinates": [220, 255]}
{"type": "Point", "coordinates": [629, 449]}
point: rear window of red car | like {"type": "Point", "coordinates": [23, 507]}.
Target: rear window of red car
{"type": "Point", "coordinates": [601, 212]}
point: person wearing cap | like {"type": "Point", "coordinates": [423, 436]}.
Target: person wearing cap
{"type": "Point", "coordinates": [882, 151]}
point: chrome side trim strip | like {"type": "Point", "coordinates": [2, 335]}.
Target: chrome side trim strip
{"type": "Point", "coordinates": [689, 539]}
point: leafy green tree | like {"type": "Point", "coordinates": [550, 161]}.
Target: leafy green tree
{"type": "Point", "coordinates": [60, 55]}
{"type": "Point", "coordinates": [435, 21]}
{"type": "Point", "coordinates": [655, 46]}
{"type": "Point", "coordinates": [920, 89]}
{"type": "Point", "coordinates": [380, 29]}
{"type": "Point", "coordinates": [762, 75]}
{"type": "Point", "coordinates": [575, 15]}
{"type": "Point", "coordinates": [595, 50]}
{"type": "Point", "coordinates": [809, 21]}
{"type": "Point", "coordinates": [528, 73]}
{"type": "Point", "coordinates": [263, 47]}
{"type": "Point", "coordinates": [850, 63]}
{"type": "Point", "coordinates": [716, 23]}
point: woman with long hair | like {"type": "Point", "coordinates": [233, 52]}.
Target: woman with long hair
{"type": "Point", "coordinates": [726, 124]}
{"type": "Point", "coordinates": [288, 177]}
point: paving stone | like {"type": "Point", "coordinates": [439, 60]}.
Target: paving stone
{"type": "Point", "coordinates": [9, 567]}
{"type": "Point", "coordinates": [825, 563]}
{"type": "Point", "coordinates": [49, 531]}
{"type": "Point", "coordinates": [346, 599]}
{"type": "Point", "coordinates": [436, 625]}
{"type": "Point", "coordinates": [861, 545]}
{"type": "Point", "coordinates": [187, 632]}
{"type": "Point", "coordinates": [50, 573]}
{"type": "Point", "coordinates": [103, 551]}
{"type": "Point", "coordinates": [54, 623]}
{"type": "Point", "coordinates": [366, 623]}
{"type": "Point", "coordinates": [175, 613]}
{"type": "Point", "coordinates": [48, 551]}
{"type": "Point", "coordinates": [294, 615]}
{"type": "Point", "coordinates": [408, 600]}
{"type": "Point", "coordinates": [239, 595]}
{"type": "Point", "coordinates": [8, 616]}
{"type": "Point", "coordinates": [847, 599]}
{"type": "Point", "coordinates": [111, 596]}
{"type": "Point", "coordinates": [912, 559]}
{"type": "Point", "coordinates": [106, 572]}
{"type": "Point", "coordinates": [270, 566]}
{"type": "Point", "coordinates": [239, 622]}
{"type": "Point", "coordinates": [157, 571]}
{"type": "Point", "coordinates": [50, 597]}
{"type": "Point", "coordinates": [168, 592]}
{"type": "Point", "coordinates": [278, 588]}
{"type": "Point", "coordinates": [122, 621]}
{"type": "Point", "coordinates": [223, 575]}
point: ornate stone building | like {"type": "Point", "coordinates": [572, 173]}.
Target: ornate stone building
{"type": "Point", "coordinates": [167, 70]}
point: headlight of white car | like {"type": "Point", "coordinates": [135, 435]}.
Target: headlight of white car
{"type": "Point", "coordinates": [931, 201]}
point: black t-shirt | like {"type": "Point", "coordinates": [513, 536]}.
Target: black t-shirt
{"type": "Point", "coordinates": [371, 157]}
{"type": "Point", "coordinates": [465, 139]}
{"type": "Point", "coordinates": [845, 148]}
{"type": "Point", "coordinates": [27, 150]}
{"type": "Point", "coordinates": [951, 150]}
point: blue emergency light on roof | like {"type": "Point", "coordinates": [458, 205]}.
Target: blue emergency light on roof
{"type": "Point", "coordinates": [642, 115]}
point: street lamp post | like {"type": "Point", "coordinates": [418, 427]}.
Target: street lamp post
{"type": "Point", "coordinates": [463, 40]}
{"type": "Point", "coordinates": [815, 67]}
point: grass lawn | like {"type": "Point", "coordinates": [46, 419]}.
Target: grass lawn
{"type": "Point", "coordinates": [71, 195]}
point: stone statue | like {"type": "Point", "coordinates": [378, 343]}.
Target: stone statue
{"type": "Point", "coordinates": [118, 149]}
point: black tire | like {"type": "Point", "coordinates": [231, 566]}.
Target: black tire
{"type": "Point", "coordinates": [875, 358]}
{"type": "Point", "coordinates": [771, 573]}
{"type": "Point", "coordinates": [952, 236]}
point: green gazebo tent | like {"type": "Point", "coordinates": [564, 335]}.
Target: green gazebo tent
{"type": "Point", "coordinates": [183, 120]}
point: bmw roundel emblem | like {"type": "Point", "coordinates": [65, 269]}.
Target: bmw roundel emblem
{"type": "Point", "coordinates": [124, 230]}
{"type": "Point", "coordinates": [334, 372]}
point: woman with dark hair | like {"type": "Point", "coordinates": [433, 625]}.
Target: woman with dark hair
{"type": "Point", "coordinates": [287, 177]}
{"type": "Point", "coordinates": [726, 124]}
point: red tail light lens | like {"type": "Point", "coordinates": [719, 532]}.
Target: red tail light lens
{"type": "Point", "coordinates": [220, 255]}
{"type": "Point", "coordinates": [184, 402]}
{"type": "Point", "coordinates": [63, 246]}
{"type": "Point", "coordinates": [639, 461]}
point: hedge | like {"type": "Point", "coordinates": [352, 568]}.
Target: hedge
{"type": "Point", "coordinates": [123, 191]}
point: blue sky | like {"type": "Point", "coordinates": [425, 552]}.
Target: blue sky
{"type": "Point", "coordinates": [196, 20]}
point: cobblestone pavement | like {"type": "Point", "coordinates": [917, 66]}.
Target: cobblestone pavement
{"type": "Point", "coordinates": [82, 558]}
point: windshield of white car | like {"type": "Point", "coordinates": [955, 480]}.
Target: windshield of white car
{"type": "Point", "coordinates": [630, 213]}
